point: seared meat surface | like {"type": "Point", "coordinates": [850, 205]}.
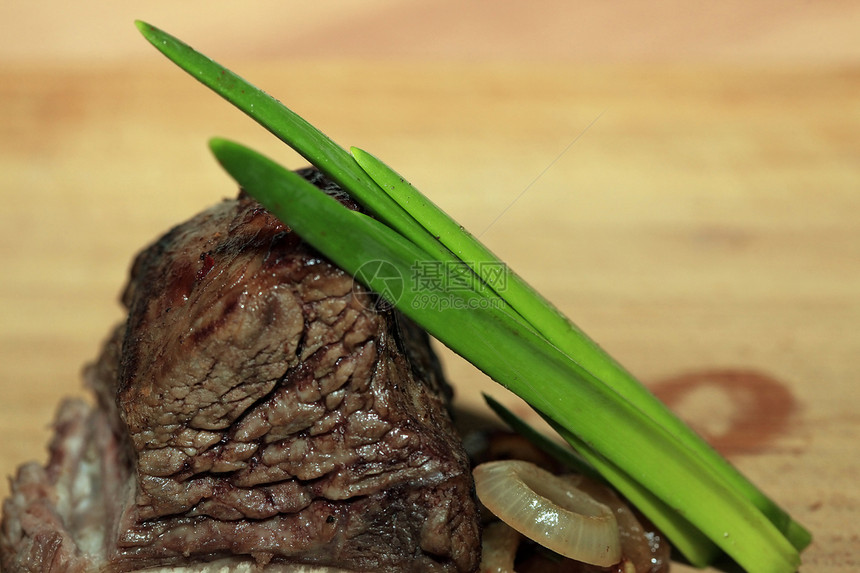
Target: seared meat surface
{"type": "Point", "coordinates": [265, 408]}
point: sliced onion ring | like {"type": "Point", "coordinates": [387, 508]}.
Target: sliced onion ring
{"type": "Point", "coordinates": [499, 543]}
{"type": "Point", "coordinates": [549, 510]}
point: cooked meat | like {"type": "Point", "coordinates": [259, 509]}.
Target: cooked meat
{"type": "Point", "coordinates": [257, 404]}
{"type": "Point", "coordinates": [55, 515]}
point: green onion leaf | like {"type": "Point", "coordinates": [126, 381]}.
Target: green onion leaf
{"type": "Point", "coordinates": [695, 546]}
{"type": "Point", "coordinates": [293, 130]}
{"type": "Point", "coordinates": [558, 330]}
{"type": "Point", "coordinates": [565, 455]}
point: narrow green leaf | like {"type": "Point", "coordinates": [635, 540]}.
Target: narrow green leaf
{"type": "Point", "coordinates": [296, 132]}
{"type": "Point", "coordinates": [568, 457]}
{"type": "Point", "coordinates": [688, 539]}
{"type": "Point", "coordinates": [440, 225]}
{"type": "Point", "coordinates": [693, 545]}
{"type": "Point", "coordinates": [522, 361]}
{"type": "Point", "coordinates": [560, 331]}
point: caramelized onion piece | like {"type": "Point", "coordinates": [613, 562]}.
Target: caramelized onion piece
{"type": "Point", "coordinates": [643, 549]}
{"type": "Point", "coordinates": [549, 510]}
{"type": "Point", "coordinates": [499, 544]}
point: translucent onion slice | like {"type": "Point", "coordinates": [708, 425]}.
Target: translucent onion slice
{"type": "Point", "coordinates": [499, 543]}
{"type": "Point", "coordinates": [549, 510]}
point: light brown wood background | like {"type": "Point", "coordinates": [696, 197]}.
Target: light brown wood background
{"type": "Point", "coordinates": [681, 179]}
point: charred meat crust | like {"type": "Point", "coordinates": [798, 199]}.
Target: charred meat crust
{"type": "Point", "coordinates": [266, 408]}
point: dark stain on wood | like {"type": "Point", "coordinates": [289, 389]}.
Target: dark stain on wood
{"type": "Point", "coordinates": [736, 411]}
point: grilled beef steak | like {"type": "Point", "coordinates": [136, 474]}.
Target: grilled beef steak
{"type": "Point", "coordinates": [256, 405]}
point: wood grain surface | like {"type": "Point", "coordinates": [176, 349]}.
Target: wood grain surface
{"type": "Point", "coordinates": [699, 216]}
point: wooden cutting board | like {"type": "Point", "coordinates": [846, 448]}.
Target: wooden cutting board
{"type": "Point", "coordinates": [701, 223]}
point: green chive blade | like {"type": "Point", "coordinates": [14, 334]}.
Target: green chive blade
{"type": "Point", "coordinates": [687, 539]}
{"type": "Point", "coordinates": [560, 453]}
{"type": "Point", "coordinates": [438, 223]}
{"type": "Point", "coordinates": [272, 115]}
{"type": "Point", "coordinates": [296, 132]}
{"type": "Point", "coordinates": [560, 331]}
